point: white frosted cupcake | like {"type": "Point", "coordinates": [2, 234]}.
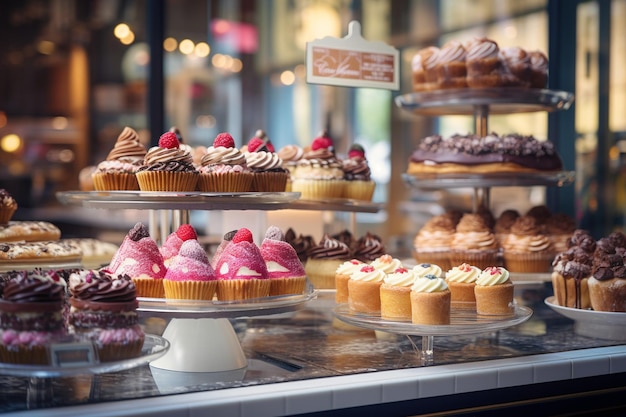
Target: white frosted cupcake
{"type": "Point", "coordinates": [395, 295]}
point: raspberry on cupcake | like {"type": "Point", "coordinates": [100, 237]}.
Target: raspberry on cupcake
{"type": "Point", "coordinates": [224, 168]}
{"type": "Point", "coordinates": [265, 164]}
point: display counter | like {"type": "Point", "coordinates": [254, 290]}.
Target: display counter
{"type": "Point", "coordinates": [308, 361]}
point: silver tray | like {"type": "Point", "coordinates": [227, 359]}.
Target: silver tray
{"type": "Point", "coordinates": [153, 347]}
{"type": "Point", "coordinates": [466, 101]}
{"type": "Point", "coordinates": [590, 323]}
{"type": "Point", "coordinates": [504, 179]}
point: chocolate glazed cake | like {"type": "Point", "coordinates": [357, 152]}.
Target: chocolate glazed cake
{"type": "Point", "coordinates": [488, 154]}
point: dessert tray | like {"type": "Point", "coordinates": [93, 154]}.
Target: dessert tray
{"type": "Point", "coordinates": [590, 323]}
{"type": "Point", "coordinates": [502, 179]}
{"type": "Point", "coordinates": [464, 101]}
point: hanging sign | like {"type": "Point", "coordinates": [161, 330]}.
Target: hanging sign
{"type": "Point", "coordinates": [352, 61]}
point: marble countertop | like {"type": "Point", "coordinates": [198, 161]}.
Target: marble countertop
{"type": "Point", "coordinates": [315, 357]}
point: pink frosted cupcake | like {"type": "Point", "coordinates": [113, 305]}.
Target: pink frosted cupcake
{"type": "Point", "coordinates": [223, 167]}
{"type": "Point", "coordinates": [189, 275]}
{"type": "Point", "coordinates": [228, 236]}
{"type": "Point", "coordinates": [118, 171]}
{"type": "Point", "coordinates": [241, 270]}
{"type": "Point", "coordinates": [174, 241]}
{"type": "Point", "coordinates": [285, 270]}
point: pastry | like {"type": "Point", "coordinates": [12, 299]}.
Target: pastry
{"type": "Point", "coordinates": [395, 295]}
{"type": "Point", "coordinates": [528, 248]}
{"type": "Point", "coordinates": [8, 206]}
{"type": "Point", "coordinates": [342, 275]}
{"type": "Point", "coordinates": [28, 231]}
{"type": "Point", "coordinates": [85, 179]}
{"type": "Point", "coordinates": [467, 154]}
{"type": "Point", "coordinates": [94, 252]}
{"type": "Point", "coordinates": [505, 220]}
{"type": "Point", "coordinates": [323, 261]}
{"type": "Point", "coordinates": [368, 247]}
{"type": "Point", "coordinates": [174, 241]}
{"type": "Point", "coordinates": [241, 271]}
{"type": "Point", "coordinates": [450, 67]}
{"type": "Point", "coordinates": [571, 271]}
{"type": "Point", "coordinates": [433, 240]}
{"type": "Point", "coordinates": [223, 167]}
{"type": "Point", "coordinates": [118, 171]}
{"type": "Point", "coordinates": [515, 67]}
{"type": "Point", "coordinates": [41, 251]}
{"type": "Point", "coordinates": [189, 275]}
{"type": "Point", "coordinates": [167, 167]}
{"type": "Point", "coordinates": [560, 227]}
{"type": "Point", "coordinates": [423, 69]}
{"type": "Point", "coordinates": [285, 271]}
{"type": "Point", "coordinates": [301, 243]}
{"type": "Point", "coordinates": [31, 316]}
{"type": "Point", "coordinates": [103, 310]}
{"type": "Point", "coordinates": [461, 281]}
{"type": "Point", "coordinates": [269, 175]}
{"type": "Point", "coordinates": [228, 236]}
{"type": "Point", "coordinates": [430, 301]}
{"type": "Point", "coordinates": [386, 263]}
{"type": "Point", "coordinates": [423, 269]}
{"type": "Point", "coordinates": [319, 174]}
{"type": "Point", "coordinates": [607, 284]}
{"type": "Point", "coordinates": [290, 155]}
{"type": "Point", "coordinates": [364, 290]}
{"type": "Point", "coordinates": [494, 292]}
{"type": "Point", "coordinates": [484, 69]}
{"type": "Point", "coordinates": [538, 69]}
{"type": "Point", "coordinates": [359, 184]}
{"type": "Point", "coordinates": [473, 242]}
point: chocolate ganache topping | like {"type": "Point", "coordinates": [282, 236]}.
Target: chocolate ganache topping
{"type": "Point", "coordinates": [30, 288]}
{"type": "Point", "coordinates": [329, 248]}
{"type": "Point", "coordinates": [369, 247]}
{"type": "Point", "coordinates": [608, 261]}
{"type": "Point", "coordinates": [138, 232]}
{"type": "Point", "coordinates": [473, 150]}
{"type": "Point", "coordinates": [101, 287]}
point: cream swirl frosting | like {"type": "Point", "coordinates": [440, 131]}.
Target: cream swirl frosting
{"type": "Point", "coordinates": [482, 49]}
{"type": "Point", "coordinates": [429, 283]}
{"type": "Point", "coordinates": [465, 273]}
{"type": "Point", "coordinates": [424, 269]}
{"type": "Point", "coordinates": [157, 154]}
{"type": "Point", "coordinates": [223, 155]}
{"type": "Point", "coordinates": [401, 277]}
{"type": "Point", "coordinates": [386, 263]}
{"type": "Point", "coordinates": [349, 267]}
{"type": "Point", "coordinates": [127, 147]}
{"type": "Point", "coordinates": [291, 153]}
{"type": "Point", "coordinates": [263, 161]}
{"type": "Point", "coordinates": [368, 273]}
{"type": "Point", "coordinates": [493, 275]}
{"type": "Point", "coordinates": [517, 243]}
{"type": "Point", "coordinates": [452, 51]}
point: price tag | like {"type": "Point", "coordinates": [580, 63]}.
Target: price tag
{"type": "Point", "coordinates": [352, 62]}
{"type": "Point", "coordinates": [72, 354]}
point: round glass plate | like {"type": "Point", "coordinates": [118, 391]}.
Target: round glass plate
{"type": "Point", "coordinates": [466, 101]}
{"type": "Point", "coordinates": [177, 200]}
{"type": "Point", "coordinates": [153, 347]}
{"type": "Point", "coordinates": [504, 179]}
{"type": "Point", "coordinates": [229, 309]}
{"type": "Point", "coordinates": [598, 324]}
{"type": "Point", "coordinates": [462, 321]}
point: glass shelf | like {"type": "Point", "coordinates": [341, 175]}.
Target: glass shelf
{"type": "Point", "coordinates": [504, 179]}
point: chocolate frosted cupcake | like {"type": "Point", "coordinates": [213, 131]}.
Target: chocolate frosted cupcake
{"type": "Point", "coordinates": [265, 164]}
{"type": "Point", "coordinates": [368, 248]}
{"type": "Point", "coordinates": [323, 261]}
{"type": "Point", "coordinates": [505, 220]}
{"type": "Point", "coordinates": [571, 271]}
{"type": "Point", "coordinates": [474, 243]}
{"type": "Point", "coordinates": [118, 171]}
{"type": "Point", "coordinates": [103, 309]}
{"type": "Point", "coordinates": [224, 168]}
{"type": "Point", "coordinates": [607, 285]}
{"type": "Point", "coordinates": [301, 243]}
{"type": "Point", "coordinates": [528, 248]}
{"type": "Point", "coordinates": [358, 176]}
{"type": "Point", "coordinates": [433, 241]}
{"type": "Point", "coordinates": [31, 316]}
{"type": "Point", "coordinates": [8, 205]}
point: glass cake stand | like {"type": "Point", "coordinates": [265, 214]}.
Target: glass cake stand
{"type": "Point", "coordinates": [463, 320]}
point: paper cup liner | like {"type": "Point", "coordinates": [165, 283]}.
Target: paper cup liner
{"type": "Point", "coordinates": [229, 182]}
{"type": "Point", "coordinates": [167, 181]}
{"type": "Point", "coordinates": [110, 181]}
{"type": "Point", "coordinates": [189, 290]}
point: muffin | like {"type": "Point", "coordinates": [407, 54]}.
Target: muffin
{"type": "Point", "coordinates": [423, 69]}
{"type": "Point", "coordinates": [473, 243]}
{"type": "Point", "coordinates": [450, 66]}
{"type": "Point", "coordinates": [138, 257]}
{"type": "Point", "coordinates": [433, 240]}
{"type": "Point", "coordinates": [461, 281]}
{"type": "Point", "coordinates": [241, 271]}
{"type": "Point", "coordinates": [290, 155]}
{"type": "Point", "coordinates": [8, 206]}
{"type": "Point", "coordinates": [224, 167]}
{"type": "Point", "coordinates": [527, 248]}
{"type": "Point", "coordinates": [265, 164]}
{"type": "Point", "coordinates": [342, 276]}
{"type": "Point", "coordinates": [189, 275]}
{"type": "Point", "coordinates": [359, 184]}
{"type": "Point", "coordinates": [285, 271]}
{"type": "Point", "coordinates": [607, 284]}
{"type": "Point", "coordinates": [323, 261]}
{"type": "Point", "coordinates": [118, 171]}
{"type": "Point", "coordinates": [571, 271]}
{"type": "Point", "coordinates": [31, 316]}
{"type": "Point", "coordinates": [395, 295]}
{"type": "Point", "coordinates": [494, 292]}
{"type": "Point", "coordinates": [103, 309]}
{"type": "Point", "coordinates": [430, 301]}
{"type": "Point", "coordinates": [167, 167]}
{"type": "Point", "coordinates": [364, 290]}
{"type": "Point", "coordinates": [174, 241]}
{"type": "Point", "coordinates": [319, 174]}
{"type": "Point", "coordinates": [484, 69]}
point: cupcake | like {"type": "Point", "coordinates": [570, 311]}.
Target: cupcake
{"type": "Point", "coordinates": [342, 275]}
{"type": "Point", "coordinates": [527, 248]}
{"type": "Point", "coordinates": [323, 261]}
{"type": "Point", "coordinates": [461, 281]}
{"type": "Point", "coordinates": [503, 224]}
{"type": "Point", "coordinates": [189, 275]}
{"type": "Point", "coordinates": [224, 167]}
{"type": "Point", "coordinates": [560, 227]}
{"type": "Point", "coordinates": [174, 241]}
{"type": "Point", "coordinates": [241, 271]}
{"type": "Point", "coordinates": [430, 301]}
{"type": "Point", "coordinates": [607, 284]}
{"type": "Point", "coordinates": [515, 67]}
{"type": "Point", "coordinates": [103, 309]}
{"type": "Point", "coordinates": [386, 263]}
{"type": "Point", "coordinates": [8, 205]}
{"type": "Point", "coordinates": [571, 271]}
{"type": "Point", "coordinates": [368, 247]}
{"type": "Point", "coordinates": [395, 295]}
{"type": "Point", "coordinates": [290, 155]}
{"type": "Point", "coordinates": [432, 242]}
{"type": "Point", "coordinates": [473, 243]}
{"type": "Point", "coordinates": [538, 69]}
{"type": "Point", "coordinates": [450, 66]}
{"type": "Point", "coordinates": [364, 290]}
{"type": "Point", "coordinates": [265, 164]}
{"type": "Point", "coordinates": [138, 257]}
{"type": "Point", "coordinates": [423, 69]}
{"type": "Point", "coordinates": [167, 167]}
{"type": "Point", "coordinates": [484, 69]}
{"type": "Point", "coordinates": [31, 316]}
{"type": "Point", "coordinates": [494, 292]}
{"type": "Point", "coordinates": [118, 171]}
{"type": "Point", "coordinates": [359, 184]}
{"type": "Point", "coordinates": [319, 174]}
{"type": "Point", "coordinates": [423, 269]}
{"type": "Point", "coordinates": [285, 271]}
{"type": "Point", "coordinates": [301, 243]}
{"type": "Point", "coordinates": [228, 236]}
{"type": "Point", "coordinates": [85, 179]}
